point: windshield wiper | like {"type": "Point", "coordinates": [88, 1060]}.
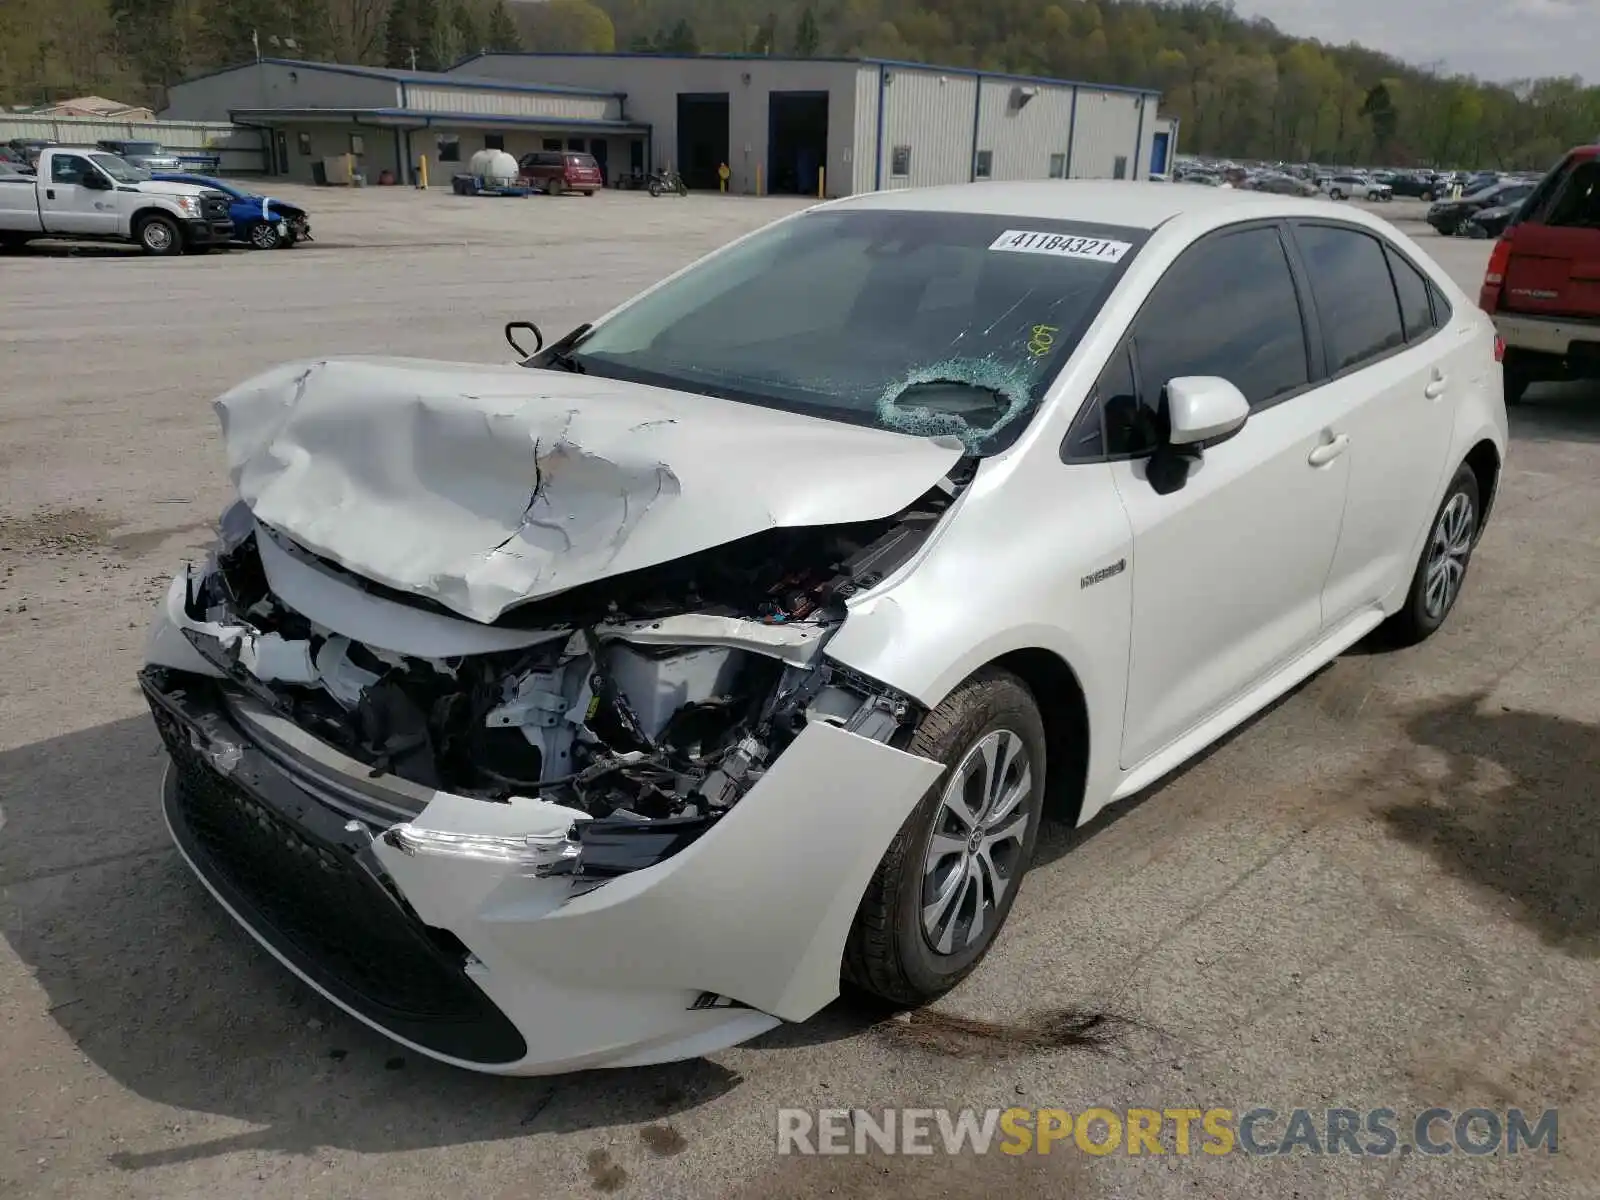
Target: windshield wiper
{"type": "Point", "coordinates": [560, 354]}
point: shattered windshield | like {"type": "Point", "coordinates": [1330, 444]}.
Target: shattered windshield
{"type": "Point", "coordinates": [926, 323]}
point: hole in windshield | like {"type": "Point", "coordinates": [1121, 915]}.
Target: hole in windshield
{"type": "Point", "coordinates": [925, 323]}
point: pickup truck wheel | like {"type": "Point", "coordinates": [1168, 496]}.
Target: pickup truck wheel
{"type": "Point", "coordinates": [264, 235]}
{"type": "Point", "coordinates": [1336, 194]}
{"type": "Point", "coordinates": [158, 235]}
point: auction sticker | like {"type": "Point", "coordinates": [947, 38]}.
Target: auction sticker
{"type": "Point", "coordinates": [1062, 245]}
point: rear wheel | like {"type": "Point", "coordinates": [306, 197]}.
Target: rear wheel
{"type": "Point", "coordinates": [946, 884]}
{"type": "Point", "coordinates": [159, 235]}
{"type": "Point", "coordinates": [1517, 381]}
{"type": "Point", "coordinates": [1336, 194]}
{"type": "Point", "coordinates": [588, 191]}
{"type": "Point", "coordinates": [1442, 569]}
{"type": "Point", "coordinates": [553, 187]}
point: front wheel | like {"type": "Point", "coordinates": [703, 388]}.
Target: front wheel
{"type": "Point", "coordinates": [1336, 194]}
{"type": "Point", "coordinates": [159, 235]}
{"type": "Point", "coordinates": [655, 188]}
{"type": "Point", "coordinates": [946, 883]}
{"type": "Point", "coordinates": [264, 235]}
{"type": "Point", "coordinates": [1442, 569]}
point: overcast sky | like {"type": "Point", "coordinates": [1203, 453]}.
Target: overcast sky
{"type": "Point", "coordinates": [1492, 39]}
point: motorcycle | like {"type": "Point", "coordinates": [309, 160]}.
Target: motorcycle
{"type": "Point", "coordinates": [667, 181]}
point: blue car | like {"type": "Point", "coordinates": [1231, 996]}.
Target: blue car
{"type": "Point", "coordinates": [259, 221]}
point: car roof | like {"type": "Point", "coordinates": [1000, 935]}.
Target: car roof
{"type": "Point", "coordinates": [1140, 205]}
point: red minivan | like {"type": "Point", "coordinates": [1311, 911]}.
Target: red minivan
{"type": "Point", "coordinates": [1542, 286]}
{"type": "Point", "coordinates": [557, 171]}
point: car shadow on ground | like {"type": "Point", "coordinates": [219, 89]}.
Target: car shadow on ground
{"type": "Point", "coordinates": [160, 990]}
{"type": "Point", "coordinates": [1560, 412]}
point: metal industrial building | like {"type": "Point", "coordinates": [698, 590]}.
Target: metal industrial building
{"type": "Point", "coordinates": [315, 114]}
{"type": "Point", "coordinates": [779, 124]}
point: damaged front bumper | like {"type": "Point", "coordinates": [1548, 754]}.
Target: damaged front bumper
{"type": "Point", "coordinates": [448, 923]}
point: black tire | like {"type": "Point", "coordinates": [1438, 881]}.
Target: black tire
{"type": "Point", "coordinates": [553, 187]}
{"type": "Point", "coordinates": [1421, 617]}
{"type": "Point", "coordinates": [1427, 197]}
{"type": "Point", "coordinates": [1517, 382]}
{"type": "Point", "coordinates": [588, 191]}
{"type": "Point", "coordinates": [889, 954]}
{"type": "Point", "coordinates": [264, 235]}
{"type": "Point", "coordinates": [1336, 194]}
{"type": "Point", "coordinates": [159, 235]}
{"type": "Point", "coordinates": [655, 188]}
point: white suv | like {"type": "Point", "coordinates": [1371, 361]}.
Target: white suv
{"type": "Point", "coordinates": [607, 709]}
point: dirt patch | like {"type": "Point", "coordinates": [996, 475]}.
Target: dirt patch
{"type": "Point", "coordinates": [55, 531]}
{"type": "Point", "coordinates": [604, 1175]}
{"type": "Point", "coordinates": [967, 1037]}
{"type": "Point", "coordinates": [663, 1140]}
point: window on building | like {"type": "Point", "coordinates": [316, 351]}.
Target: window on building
{"type": "Point", "coordinates": [358, 144]}
{"type": "Point", "coordinates": [1058, 166]}
{"type": "Point", "coordinates": [1255, 340]}
{"type": "Point", "coordinates": [1356, 303]}
{"type": "Point", "coordinates": [494, 141]}
{"type": "Point", "coordinates": [1119, 169]}
{"type": "Point", "coordinates": [449, 148]}
{"type": "Point", "coordinates": [900, 161]}
{"type": "Point", "coordinates": [303, 140]}
{"type": "Point", "coordinates": [984, 167]}
{"type": "Point", "coordinates": [550, 144]}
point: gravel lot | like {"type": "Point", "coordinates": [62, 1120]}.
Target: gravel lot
{"type": "Point", "coordinates": [1383, 891]}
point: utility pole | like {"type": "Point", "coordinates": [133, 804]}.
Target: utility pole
{"type": "Point", "coordinates": [413, 58]}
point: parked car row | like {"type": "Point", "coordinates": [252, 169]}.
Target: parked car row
{"type": "Point", "coordinates": [1453, 216]}
{"type": "Point", "coordinates": [88, 194]}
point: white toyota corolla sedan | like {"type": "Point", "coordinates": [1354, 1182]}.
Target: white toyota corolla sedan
{"type": "Point", "coordinates": [615, 706]}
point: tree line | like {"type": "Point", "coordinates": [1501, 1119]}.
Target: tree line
{"type": "Point", "coordinates": [1241, 88]}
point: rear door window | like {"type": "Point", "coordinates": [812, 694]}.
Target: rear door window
{"type": "Point", "coordinates": [1228, 307]}
{"type": "Point", "coordinates": [1354, 294]}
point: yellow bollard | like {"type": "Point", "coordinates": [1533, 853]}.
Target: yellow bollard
{"type": "Point", "coordinates": [350, 169]}
{"type": "Point", "coordinates": [423, 163]}
{"type": "Point", "coordinates": [822, 180]}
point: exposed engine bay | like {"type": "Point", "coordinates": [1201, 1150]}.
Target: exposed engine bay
{"type": "Point", "coordinates": [605, 713]}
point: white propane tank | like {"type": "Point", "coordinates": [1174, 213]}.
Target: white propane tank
{"type": "Point", "coordinates": [495, 168]}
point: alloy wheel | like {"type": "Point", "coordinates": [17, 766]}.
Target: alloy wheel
{"type": "Point", "coordinates": [1448, 551]}
{"type": "Point", "coordinates": [976, 843]}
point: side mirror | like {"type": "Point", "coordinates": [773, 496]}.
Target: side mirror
{"type": "Point", "coordinates": [1204, 410]}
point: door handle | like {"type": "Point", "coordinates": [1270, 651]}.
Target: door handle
{"type": "Point", "coordinates": [1436, 386]}
{"type": "Point", "coordinates": [1329, 450]}
{"type": "Point", "coordinates": [49, 193]}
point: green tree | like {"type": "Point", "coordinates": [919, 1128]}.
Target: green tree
{"type": "Point", "coordinates": [807, 37]}
{"type": "Point", "coordinates": [412, 34]}
{"type": "Point", "coordinates": [570, 26]}
{"type": "Point", "coordinates": [503, 28]}
{"type": "Point", "coordinates": [680, 39]}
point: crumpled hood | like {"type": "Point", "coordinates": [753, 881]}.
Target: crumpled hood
{"type": "Point", "coordinates": [484, 487]}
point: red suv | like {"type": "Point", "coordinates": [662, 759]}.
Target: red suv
{"type": "Point", "coordinates": [557, 171]}
{"type": "Point", "coordinates": [1542, 286]}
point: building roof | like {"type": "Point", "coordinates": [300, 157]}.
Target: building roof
{"type": "Point", "coordinates": [1134, 205]}
{"type": "Point", "coordinates": [437, 78]}
{"type": "Point", "coordinates": [855, 61]}
{"type": "Point", "coordinates": [417, 118]}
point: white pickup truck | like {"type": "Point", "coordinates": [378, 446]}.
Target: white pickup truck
{"type": "Point", "coordinates": [85, 193]}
